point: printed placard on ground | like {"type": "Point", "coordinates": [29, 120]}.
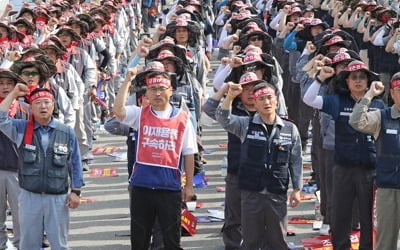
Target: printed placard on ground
{"type": "Point", "coordinates": [104, 172]}
{"type": "Point", "coordinates": [105, 150]}
{"type": "Point", "coordinates": [302, 220]}
{"type": "Point", "coordinates": [188, 222]}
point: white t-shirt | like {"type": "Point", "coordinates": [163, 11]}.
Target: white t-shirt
{"type": "Point", "coordinates": [189, 145]}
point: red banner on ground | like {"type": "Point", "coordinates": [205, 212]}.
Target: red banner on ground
{"type": "Point", "coordinates": [302, 220]}
{"type": "Point", "coordinates": [323, 242]}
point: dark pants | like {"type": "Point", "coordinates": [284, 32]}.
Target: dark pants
{"type": "Point", "coordinates": [305, 115]}
{"type": "Point", "coordinates": [350, 183]}
{"type": "Point", "coordinates": [325, 187]}
{"type": "Point", "coordinates": [293, 101]}
{"type": "Point", "coordinates": [316, 147]}
{"type": "Point", "coordinates": [145, 19]}
{"type": "Point", "coordinates": [263, 221]}
{"type": "Point", "coordinates": [149, 204]}
{"type": "Point", "coordinates": [231, 233]}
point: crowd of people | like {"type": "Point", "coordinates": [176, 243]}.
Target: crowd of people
{"type": "Point", "coordinates": [285, 66]}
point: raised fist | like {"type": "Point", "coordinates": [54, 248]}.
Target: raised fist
{"type": "Point", "coordinates": [376, 88]}
{"type": "Point", "coordinates": [326, 72]}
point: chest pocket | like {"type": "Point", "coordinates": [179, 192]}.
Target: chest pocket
{"type": "Point", "coordinates": [60, 155]}
{"type": "Point", "coordinates": [30, 155]}
{"type": "Point", "coordinates": [283, 152]}
{"type": "Point", "coordinates": [257, 150]}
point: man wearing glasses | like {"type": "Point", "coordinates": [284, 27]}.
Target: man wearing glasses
{"type": "Point", "coordinates": [50, 166]}
{"type": "Point", "coordinates": [166, 144]}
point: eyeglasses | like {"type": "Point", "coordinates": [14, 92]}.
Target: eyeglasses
{"type": "Point", "coordinates": [46, 102]}
{"type": "Point", "coordinates": [253, 67]}
{"type": "Point", "coordinates": [255, 38]}
{"type": "Point", "coordinates": [158, 89]}
{"type": "Point", "coordinates": [356, 77]}
{"type": "Point", "coordinates": [30, 73]}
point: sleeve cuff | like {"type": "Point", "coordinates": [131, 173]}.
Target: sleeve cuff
{"type": "Point", "coordinates": [365, 101]}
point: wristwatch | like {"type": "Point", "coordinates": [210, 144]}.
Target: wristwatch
{"type": "Point", "coordinates": [77, 192]}
{"type": "Point", "coordinates": [318, 79]}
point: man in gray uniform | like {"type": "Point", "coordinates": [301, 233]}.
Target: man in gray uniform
{"type": "Point", "coordinates": [271, 150]}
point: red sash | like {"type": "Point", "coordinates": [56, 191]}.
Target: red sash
{"type": "Point", "coordinates": [159, 139]}
{"type": "Point", "coordinates": [28, 139]}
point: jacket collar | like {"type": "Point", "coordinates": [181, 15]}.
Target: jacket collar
{"type": "Point", "coordinates": [278, 121]}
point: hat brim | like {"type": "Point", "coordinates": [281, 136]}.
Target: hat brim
{"type": "Point", "coordinates": [352, 53]}
{"type": "Point", "coordinates": [267, 61]}
{"type": "Point", "coordinates": [59, 51]}
{"type": "Point", "coordinates": [3, 25]}
{"type": "Point", "coordinates": [178, 61]}
{"type": "Point", "coordinates": [13, 76]}
{"type": "Point", "coordinates": [27, 10]}
{"type": "Point", "coordinates": [323, 24]}
{"type": "Point", "coordinates": [41, 66]}
{"type": "Point", "coordinates": [72, 33]}
{"type": "Point", "coordinates": [26, 23]}
{"type": "Point", "coordinates": [257, 32]}
{"type": "Point", "coordinates": [372, 76]}
{"type": "Point", "coordinates": [258, 62]}
{"type": "Point", "coordinates": [343, 43]}
{"type": "Point", "coordinates": [255, 82]}
{"type": "Point", "coordinates": [180, 52]}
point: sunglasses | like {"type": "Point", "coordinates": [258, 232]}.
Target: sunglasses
{"type": "Point", "coordinates": [255, 38]}
{"type": "Point", "coordinates": [356, 77]}
{"type": "Point", "coordinates": [252, 68]}
{"type": "Point", "coordinates": [30, 73]}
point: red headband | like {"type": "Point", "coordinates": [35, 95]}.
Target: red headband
{"type": "Point", "coordinates": [395, 83]}
{"type": "Point", "coordinates": [158, 80]}
{"type": "Point", "coordinates": [356, 66]}
{"type": "Point", "coordinates": [41, 94]}
{"type": "Point", "coordinates": [334, 40]}
{"type": "Point", "coordinates": [341, 57]}
{"type": "Point", "coordinates": [264, 91]}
